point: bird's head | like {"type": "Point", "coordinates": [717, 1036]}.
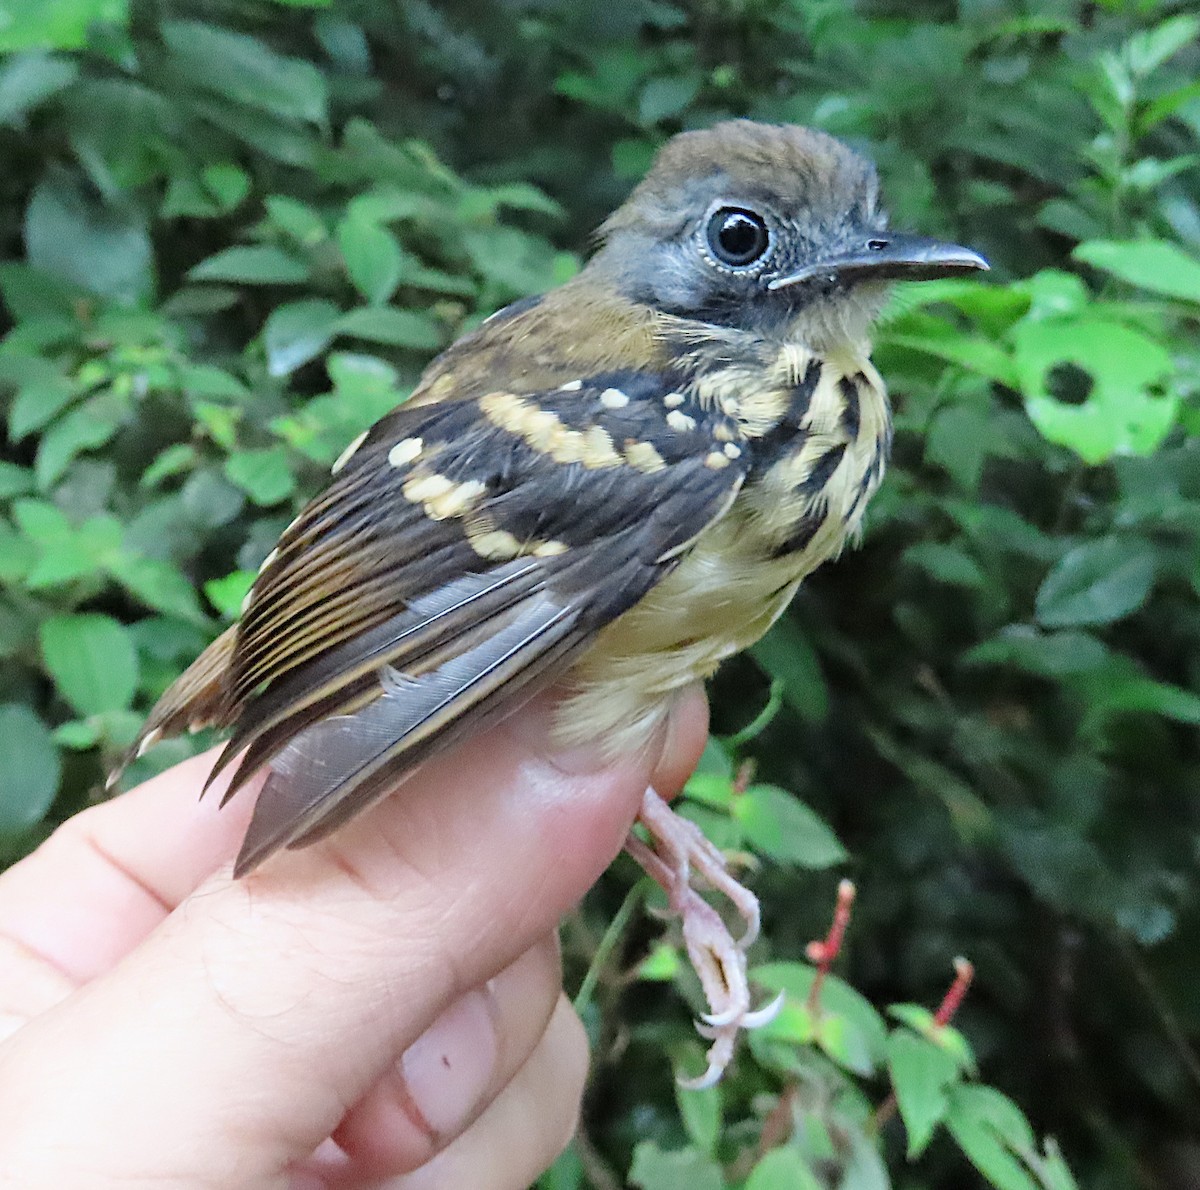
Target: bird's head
{"type": "Point", "coordinates": [769, 228]}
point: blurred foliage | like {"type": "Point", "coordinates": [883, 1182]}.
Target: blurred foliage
{"type": "Point", "coordinates": [234, 232]}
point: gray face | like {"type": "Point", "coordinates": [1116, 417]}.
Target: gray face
{"type": "Point", "coordinates": [717, 248]}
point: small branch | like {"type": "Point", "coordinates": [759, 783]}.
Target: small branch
{"type": "Point", "coordinates": [824, 953]}
{"type": "Point", "coordinates": [777, 1127]}
{"type": "Point", "coordinates": [964, 972]}
{"type": "Point", "coordinates": [608, 943]}
{"type": "Point", "coordinates": [761, 721]}
{"type": "Point", "coordinates": [743, 777]}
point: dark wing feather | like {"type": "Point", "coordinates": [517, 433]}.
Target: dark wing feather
{"type": "Point", "coordinates": [337, 767]}
{"type": "Point", "coordinates": [389, 623]}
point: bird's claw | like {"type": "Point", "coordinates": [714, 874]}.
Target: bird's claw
{"type": "Point", "coordinates": [680, 854]}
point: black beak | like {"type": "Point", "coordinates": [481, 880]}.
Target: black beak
{"type": "Point", "coordinates": [889, 256]}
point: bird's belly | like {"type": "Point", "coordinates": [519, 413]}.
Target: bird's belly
{"type": "Point", "coordinates": [735, 580]}
{"type": "Point", "coordinates": [723, 596]}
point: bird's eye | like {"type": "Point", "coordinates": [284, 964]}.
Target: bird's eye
{"type": "Point", "coordinates": [737, 237]}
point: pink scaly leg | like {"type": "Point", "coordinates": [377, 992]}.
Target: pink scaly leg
{"type": "Point", "coordinates": [680, 852]}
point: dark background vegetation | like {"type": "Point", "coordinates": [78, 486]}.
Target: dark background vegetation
{"type": "Point", "coordinates": [234, 232]}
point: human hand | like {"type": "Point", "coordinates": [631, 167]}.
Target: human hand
{"type": "Point", "coordinates": [383, 1008]}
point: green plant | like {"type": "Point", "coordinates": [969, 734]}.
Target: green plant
{"type": "Point", "coordinates": [237, 230]}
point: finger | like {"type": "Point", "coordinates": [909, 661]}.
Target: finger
{"type": "Point", "coordinates": [110, 874]}
{"type": "Point", "coordinates": [517, 1138]}
{"type": "Point", "coordinates": [317, 972]}
{"type": "Point", "coordinates": [521, 1135]}
{"type": "Point", "coordinates": [455, 1069]}
{"type": "Point", "coordinates": [104, 880]}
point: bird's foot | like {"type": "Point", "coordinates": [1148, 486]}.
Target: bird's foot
{"type": "Point", "coordinates": [681, 853]}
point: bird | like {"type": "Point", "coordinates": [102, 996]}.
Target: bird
{"type": "Point", "coordinates": [607, 489]}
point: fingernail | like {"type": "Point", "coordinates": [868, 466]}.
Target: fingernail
{"type": "Point", "coordinates": [450, 1068]}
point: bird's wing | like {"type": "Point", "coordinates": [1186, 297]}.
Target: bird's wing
{"type": "Point", "coordinates": [465, 553]}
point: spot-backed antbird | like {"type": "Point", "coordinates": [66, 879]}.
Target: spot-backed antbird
{"type": "Point", "coordinates": [610, 488]}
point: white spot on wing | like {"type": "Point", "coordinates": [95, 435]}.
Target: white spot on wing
{"type": "Point", "coordinates": [572, 386]}
{"type": "Point", "coordinates": [405, 451]}
{"type": "Point", "coordinates": [613, 398]}
{"type": "Point", "coordinates": [680, 421]}
{"type": "Point", "coordinates": [673, 400]}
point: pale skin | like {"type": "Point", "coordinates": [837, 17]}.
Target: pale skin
{"type": "Point", "coordinates": [383, 1009]}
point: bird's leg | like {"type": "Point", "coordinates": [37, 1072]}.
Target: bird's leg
{"type": "Point", "coordinates": [680, 854]}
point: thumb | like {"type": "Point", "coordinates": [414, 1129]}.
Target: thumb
{"type": "Point", "coordinates": [234, 1040]}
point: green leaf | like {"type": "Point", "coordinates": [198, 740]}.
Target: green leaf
{"type": "Point", "coordinates": [14, 480]}
{"type": "Point", "coordinates": [1148, 49]}
{"type": "Point", "coordinates": [55, 24]}
{"type": "Point", "coordinates": [296, 219]}
{"type": "Point", "coordinates": [104, 249]}
{"type": "Point", "coordinates": [990, 1129]}
{"type": "Point", "coordinates": [396, 328]}
{"type": "Point", "coordinates": [373, 258]}
{"type": "Point", "coordinates": [29, 769]}
{"type": "Point", "coordinates": [784, 653]}
{"type": "Point", "coordinates": [1155, 265]}
{"type": "Point", "coordinates": [228, 184]}
{"type": "Point", "coordinates": [782, 1169]}
{"type": "Point", "coordinates": [1048, 654]}
{"type": "Point", "coordinates": [80, 430]}
{"type": "Point", "coordinates": [844, 1043]}
{"type": "Point", "coordinates": [1097, 582]}
{"type": "Point", "coordinates": [264, 475]}
{"type": "Point", "coordinates": [298, 332]}
{"type": "Point", "coordinates": [28, 80]}
{"type": "Point", "coordinates": [686, 1169]}
{"type": "Point", "coordinates": [246, 70]}
{"type": "Point", "coordinates": [92, 660]}
{"type": "Point", "coordinates": [710, 789]}
{"type": "Point", "coordinates": [228, 594]}
{"type": "Point", "coordinates": [701, 1114]}
{"type": "Point", "coordinates": [921, 1072]}
{"type": "Point", "coordinates": [837, 998]}
{"type": "Point", "coordinates": [663, 98]}
{"type": "Point", "coordinates": [661, 965]}
{"type": "Point", "coordinates": [781, 826]}
{"type": "Point", "coordinates": [1122, 413]}
{"type": "Point", "coordinates": [865, 1169]}
{"type": "Point", "coordinates": [159, 585]}
{"type": "Point", "coordinates": [252, 264]}
{"type": "Point", "coordinates": [1109, 693]}
{"type": "Point", "coordinates": [38, 402]}
{"type": "Point", "coordinates": [946, 563]}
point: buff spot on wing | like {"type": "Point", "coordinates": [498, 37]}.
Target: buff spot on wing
{"type": "Point", "coordinates": [345, 456]}
{"type": "Point", "coordinates": [716, 460]}
{"type": "Point", "coordinates": [497, 545]}
{"type": "Point", "coordinates": [545, 432]}
{"type": "Point", "coordinates": [549, 549]}
{"type": "Point", "coordinates": [644, 457]}
{"type": "Point", "coordinates": [427, 486]}
{"type": "Point", "coordinates": [443, 498]}
{"type": "Point", "coordinates": [405, 451]}
{"type": "Point", "coordinates": [271, 557]}
{"type": "Point", "coordinates": [460, 499]}
{"type": "Point", "coordinates": [673, 400]}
